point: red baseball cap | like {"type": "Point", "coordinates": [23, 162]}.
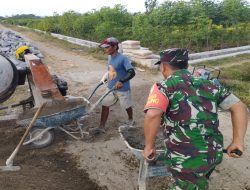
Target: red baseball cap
{"type": "Point", "coordinates": [109, 42]}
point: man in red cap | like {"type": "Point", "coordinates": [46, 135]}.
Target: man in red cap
{"type": "Point", "coordinates": [120, 71]}
{"type": "Point", "coordinates": [186, 107]}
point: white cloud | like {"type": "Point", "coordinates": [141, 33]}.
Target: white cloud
{"type": "Point", "coordinates": [48, 7]}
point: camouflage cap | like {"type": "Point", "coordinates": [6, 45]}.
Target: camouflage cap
{"type": "Point", "coordinates": [109, 42]}
{"type": "Point", "coordinates": [173, 56]}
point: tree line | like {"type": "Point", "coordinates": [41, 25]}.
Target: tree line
{"type": "Point", "coordinates": [198, 25]}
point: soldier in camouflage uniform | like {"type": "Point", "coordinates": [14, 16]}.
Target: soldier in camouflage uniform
{"type": "Point", "coordinates": [187, 107]}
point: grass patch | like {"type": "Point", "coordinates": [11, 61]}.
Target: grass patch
{"type": "Point", "coordinates": [237, 72]}
{"type": "Point", "coordinates": [96, 53]}
{"type": "Point", "coordinates": [239, 88]}
{"type": "Point", "coordinates": [228, 60]}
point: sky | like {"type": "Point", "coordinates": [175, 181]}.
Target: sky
{"type": "Point", "coordinates": [49, 7]}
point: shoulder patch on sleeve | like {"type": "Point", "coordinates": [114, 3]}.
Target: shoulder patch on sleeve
{"type": "Point", "coordinates": [156, 99]}
{"type": "Point", "coordinates": [229, 101]}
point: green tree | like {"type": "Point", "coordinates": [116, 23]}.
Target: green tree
{"type": "Point", "coordinates": [114, 22]}
{"type": "Point", "coordinates": [150, 5]}
{"type": "Point", "coordinates": [84, 26]}
{"type": "Point", "coordinates": [66, 22]}
{"type": "Point", "coordinates": [49, 24]}
{"type": "Point", "coordinates": [212, 10]}
{"type": "Point", "coordinates": [235, 11]}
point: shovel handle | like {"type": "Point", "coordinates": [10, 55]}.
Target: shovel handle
{"type": "Point", "coordinates": [9, 161]}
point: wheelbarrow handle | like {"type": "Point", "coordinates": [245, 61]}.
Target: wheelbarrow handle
{"type": "Point", "coordinates": [97, 86]}
{"type": "Point", "coordinates": [236, 151]}
{"type": "Point", "coordinates": [100, 100]}
{"type": "Point", "coordinates": [152, 158]}
{"type": "Point", "coordinates": [104, 95]}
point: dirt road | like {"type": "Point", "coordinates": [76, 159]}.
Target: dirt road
{"type": "Point", "coordinates": [104, 158]}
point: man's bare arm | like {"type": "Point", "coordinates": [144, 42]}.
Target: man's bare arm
{"type": "Point", "coordinates": [152, 123]}
{"type": "Point", "coordinates": [239, 122]}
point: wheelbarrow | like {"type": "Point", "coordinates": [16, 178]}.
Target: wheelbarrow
{"type": "Point", "coordinates": [208, 73]}
{"type": "Point", "coordinates": [59, 115]}
{"type": "Point", "coordinates": [147, 169]}
{"type": "Point", "coordinates": [154, 168]}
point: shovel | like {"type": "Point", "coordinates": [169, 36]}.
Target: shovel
{"type": "Point", "coordinates": [9, 162]}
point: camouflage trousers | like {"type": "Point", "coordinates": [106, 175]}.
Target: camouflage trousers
{"type": "Point", "coordinates": [190, 180]}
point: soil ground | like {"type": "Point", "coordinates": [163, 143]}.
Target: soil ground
{"type": "Point", "coordinates": [104, 161]}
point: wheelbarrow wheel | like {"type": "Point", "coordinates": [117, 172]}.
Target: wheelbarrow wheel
{"type": "Point", "coordinates": [44, 140]}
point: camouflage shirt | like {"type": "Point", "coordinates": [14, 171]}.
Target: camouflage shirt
{"type": "Point", "coordinates": [193, 140]}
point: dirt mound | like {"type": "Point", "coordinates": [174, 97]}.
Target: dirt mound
{"type": "Point", "coordinates": [49, 168]}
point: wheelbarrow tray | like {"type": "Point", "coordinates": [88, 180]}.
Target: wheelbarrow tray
{"type": "Point", "coordinates": [147, 169]}
{"type": "Point", "coordinates": [56, 113]}
{"type": "Point", "coordinates": [127, 133]}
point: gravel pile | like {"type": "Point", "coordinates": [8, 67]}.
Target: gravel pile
{"type": "Point", "coordinates": [10, 42]}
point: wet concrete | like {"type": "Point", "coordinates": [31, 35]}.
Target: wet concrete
{"type": "Point", "coordinates": [135, 138]}
{"type": "Point", "coordinates": [54, 107]}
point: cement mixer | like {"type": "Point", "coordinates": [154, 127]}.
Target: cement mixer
{"type": "Point", "coordinates": [8, 78]}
